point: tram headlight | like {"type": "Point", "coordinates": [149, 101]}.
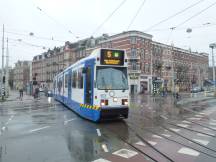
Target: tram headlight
{"type": "Point", "coordinates": [104, 102]}
{"type": "Point", "coordinates": [124, 101]}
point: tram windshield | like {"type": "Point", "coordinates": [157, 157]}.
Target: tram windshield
{"type": "Point", "coordinates": [112, 78]}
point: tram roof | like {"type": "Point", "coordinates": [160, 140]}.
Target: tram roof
{"type": "Point", "coordinates": [94, 54]}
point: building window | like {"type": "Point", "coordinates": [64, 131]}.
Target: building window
{"type": "Point", "coordinates": [133, 40]}
{"type": "Point", "coordinates": [133, 52]}
{"type": "Point", "coordinates": [142, 53]}
{"type": "Point", "coordinates": [133, 65]}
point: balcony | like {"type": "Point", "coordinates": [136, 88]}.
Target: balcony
{"type": "Point", "coordinates": [133, 57]}
{"type": "Point", "coordinates": [133, 70]}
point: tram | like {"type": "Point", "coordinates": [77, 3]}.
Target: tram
{"type": "Point", "coordinates": [95, 87]}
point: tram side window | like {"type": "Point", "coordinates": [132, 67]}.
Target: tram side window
{"type": "Point", "coordinates": [54, 85]}
{"type": "Point", "coordinates": [59, 85]}
{"type": "Point", "coordinates": [66, 80]}
{"type": "Point", "coordinates": [74, 79]}
{"type": "Point", "coordinates": [80, 79]}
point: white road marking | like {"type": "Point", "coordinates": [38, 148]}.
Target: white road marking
{"type": "Point", "coordinates": [101, 160]}
{"type": "Point", "coordinates": [212, 123]}
{"type": "Point", "coordinates": [207, 129]}
{"type": "Point", "coordinates": [213, 128]}
{"type": "Point", "coordinates": [3, 128]}
{"type": "Point", "coordinates": [183, 125]}
{"type": "Point", "coordinates": [213, 120]}
{"type": "Point", "coordinates": [202, 135]}
{"type": "Point", "coordinates": [12, 116]}
{"type": "Point", "coordinates": [166, 135]}
{"type": "Point", "coordinates": [156, 136]}
{"type": "Point", "coordinates": [201, 113]}
{"type": "Point", "coordinates": [38, 129]}
{"type": "Point", "coordinates": [175, 130]}
{"type": "Point", "coordinates": [152, 143]}
{"type": "Point", "coordinates": [98, 132]}
{"type": "Point", "coordinates": [203, 142]}
{"type": "Point", "coordinates": [140, 143]}
{"type": "Point", "coordinates": [164, 117]}
{"type": "Point", "coordinates": [185, 121]}
{"type": "Point", "coordinates": [104, 146]}
{"type": "Point", "coordinates": [199, 116]}
{"type": "Point", "coordinates": [66, 121]}
{"type": "Point", "coordinates": [125, 153]}
{"type": "Point", "coordinates": [188, 151]}
{"type": "Point", "coordinates": [194, 118]}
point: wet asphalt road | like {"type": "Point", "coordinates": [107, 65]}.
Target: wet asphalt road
{"type": "Point", "coordinates": [43, 131]}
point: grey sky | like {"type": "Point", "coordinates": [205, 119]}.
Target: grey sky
{"type": "Point", "coordinates": [82, 17]}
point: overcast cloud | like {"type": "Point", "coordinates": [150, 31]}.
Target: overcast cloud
{"type": "Point", "coordinates": [82, 17]}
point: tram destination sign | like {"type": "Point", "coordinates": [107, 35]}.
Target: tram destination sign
{"type": "Point", "coordinates": [112, 57]}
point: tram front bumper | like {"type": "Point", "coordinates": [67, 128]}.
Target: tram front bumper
{"type": "Point", "coordinates": [114, 111]}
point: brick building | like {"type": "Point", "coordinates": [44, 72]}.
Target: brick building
{"type": "Point", "coordinates": [21, 74]}
{"type": "Point", "coordinates": [147, 60]}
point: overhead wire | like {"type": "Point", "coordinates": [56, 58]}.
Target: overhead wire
{"type": "Point", "coordinates": [136, 14]}
{"type": "Point", "coordinates": [56, 21]}
{"type": "Point", "coordinates": [108, 17]}
{"type": "Point", "coordinates": [26, 43]}
{"type": "Point", "coordinates": [36, 37]}
{"type": "Point", "coordinates": [197, 14]}
{"type": "Point", "coordinates": [174, 15]}
{"type": "Point", "coordinates": [184, 28]}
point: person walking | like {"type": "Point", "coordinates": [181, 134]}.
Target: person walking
{"type": "Point", "coordinates": [177, 92]}
{"type": "Point", "coordinates": [21, 93]}
{"type": "Point", "coordinates": [36, 94]}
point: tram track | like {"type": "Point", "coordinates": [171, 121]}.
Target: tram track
{"type": "Point", "coordinates": [201, 125]}
{"type": "Point", "coordinates": [192, 130]}
{"type": "Point", "coordinates": [168, 159]}
{"type": "Point", "coordinates": [180, 143]}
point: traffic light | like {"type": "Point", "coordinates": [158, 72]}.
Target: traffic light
{"type": "Point", "coordinates": [3, 79]}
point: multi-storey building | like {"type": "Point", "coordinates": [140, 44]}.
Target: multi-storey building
{"type": "Point", "coordinates": [147, 60]}
{"type": "Point", "coordinates": [21, 74]}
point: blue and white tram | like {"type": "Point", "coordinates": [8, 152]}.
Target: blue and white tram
{"type": "Point", "coordinates": [95, 87]}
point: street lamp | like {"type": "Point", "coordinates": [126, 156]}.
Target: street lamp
{"type": "Point", "coordinates": [212, 46]}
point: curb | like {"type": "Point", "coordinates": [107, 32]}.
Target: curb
{"type": "Point", "coordinates": [182, 102]}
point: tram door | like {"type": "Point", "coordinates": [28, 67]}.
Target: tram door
{"type": "Point", "coordinates": [88, 86]}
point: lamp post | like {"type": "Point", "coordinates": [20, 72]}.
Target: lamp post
{"type": "Point", "coordinates": [212, 46]}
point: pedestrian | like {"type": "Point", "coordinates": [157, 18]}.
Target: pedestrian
{"type": "Point", "coordinates": [177, 92]}
{"type": "Point", "coordinates": [21, 93]}
{"type": "Point", "coordinates": [36, 94]}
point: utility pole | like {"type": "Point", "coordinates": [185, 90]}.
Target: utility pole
{"type": "Point", "coordinates": [212, 46]}
{"type": "Point", "coordinates": [7, 71]}
{"type": "Point", "coordinates": [151, 71]}
{"type": "Point", "coordinates": [2, 70]}
{"type": "Point", "coordinates": [173, 70]}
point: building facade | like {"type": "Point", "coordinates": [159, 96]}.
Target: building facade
{"type": "Point", "coordinates": [147, 61]}
{"type": "Point", "coordinates": [21, 74]}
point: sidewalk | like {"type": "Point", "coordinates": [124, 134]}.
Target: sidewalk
{"type": "Point", "coordinates": [14, 96]}
{"type": "Point", "coordinates": [202, 96]}
{"type": "Point", "coordinates": [147, 100]}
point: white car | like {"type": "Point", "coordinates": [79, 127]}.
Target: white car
{"type": "Point", "coordinates": [41, 89]}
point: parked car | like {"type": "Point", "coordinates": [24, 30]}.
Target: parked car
{"type": "Point", "coordinates": [196, 89]}
{"type": "Point", "coordinates": [49, 93]}
{"type": "Point", "coordinates": [41, 89]}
